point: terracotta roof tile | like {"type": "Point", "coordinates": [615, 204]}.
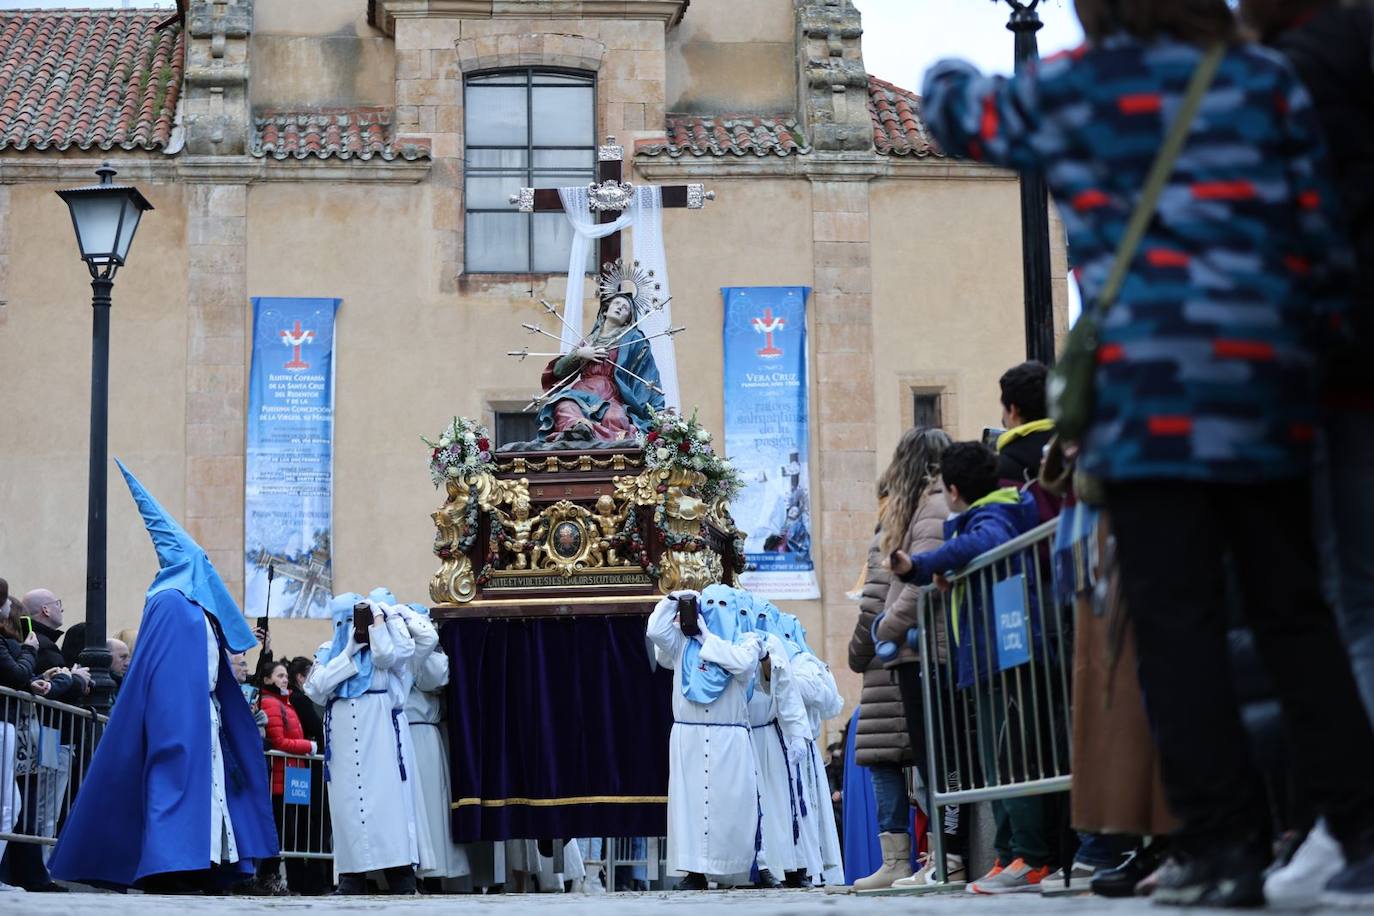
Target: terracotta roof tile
{"type": "Point", "coordinates": [727, 135]}
{"type": "Point", "coordinates": [898, 128]}
{"type": "Point", "coordinates": [344, 133]}
{"type": "Point", "coordinates": [88, 79]}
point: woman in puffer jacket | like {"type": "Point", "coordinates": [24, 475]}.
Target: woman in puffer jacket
{"type": "Point", "coordinates": [883, 742]}
{"type": "Point", "coordinates": [285, 734]}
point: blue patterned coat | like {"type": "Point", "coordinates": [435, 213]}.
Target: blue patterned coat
{"type": "Point", "coordinates": [1208, 367]}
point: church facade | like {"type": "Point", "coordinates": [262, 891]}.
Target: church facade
{"type": "Point", "coordinates": [365, 150]}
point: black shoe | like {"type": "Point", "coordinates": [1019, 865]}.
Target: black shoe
{"type": "Point", "coordinates": [796, 879]}
{"type": "Point", "coordinates": [1121, 880]}
{"type": "Point", "coordinates": [1229, 876]}
{"type": "Point", "coordinates": [1352, 887]}
{"type": "Point", "coordinates": [400, 881]}
{"type": "Point", "coordinates": [52, 887]}
{"type": "Point", "coordinates": [694, 881]}
{"type": "Point", "coordinates": [351, 885]}
{"type": "Point", "coordinates": [766, 880]}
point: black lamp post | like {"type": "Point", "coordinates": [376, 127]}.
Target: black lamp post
{"type": "Point", "coordinates": [105, 217]}
{"type": "Point", "coordinates": [1035, 214]}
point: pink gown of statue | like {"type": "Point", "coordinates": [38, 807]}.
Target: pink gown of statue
{"type": "Point", "coordinates": [597, 379]}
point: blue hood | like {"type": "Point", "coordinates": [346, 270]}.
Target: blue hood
{"type": "Point", "coordinates": [719, 613]}
{"type": "Point", "coordinates": [186, 568]}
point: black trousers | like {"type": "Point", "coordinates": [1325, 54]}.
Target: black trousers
{"type": "Point", "coordinates": [1171, 538]}
{"type": "Point", "coordinates": [955, 826]}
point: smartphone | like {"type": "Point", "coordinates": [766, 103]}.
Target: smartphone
{"type": "Point", "coordinates": [250, 693]}
{"type": "Point", "coordinates": [26, 624]}
{"type": "Point", "coordinates": [990, 436]}
{"type": "Point", "coordinates": [262, 624]}
{"type": "Point", "coordinates": [362, 619]}
{"type": "Point", "coordinates": [688, 618]}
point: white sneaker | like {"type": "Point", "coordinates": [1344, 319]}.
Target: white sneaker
{"type": "Point", "coordinates": [954, 870]}
{"type": "Point", "coordinates": [1299, 883]}
{"type": "Point", "coordinates": [1080, 879]}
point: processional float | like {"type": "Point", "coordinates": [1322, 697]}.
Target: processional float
{"type": "Point", "coordinates": [553, 552]}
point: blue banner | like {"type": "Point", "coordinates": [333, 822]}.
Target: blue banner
{"type": "Point", "coordinates": [1009, 604]}
{"type": "Point", "coordinates": [289, 477]}
{"type": "Point", "coordinates": [766, 436]}
{"type": "Point", "coordinates": [296, 785]}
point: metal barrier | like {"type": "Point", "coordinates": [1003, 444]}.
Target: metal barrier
{"type": "Point", "coordinates": [301, 812]}
{"type": "Point", "coordinates": [995, 657]}
{"type": "Point", "coordinates": [45, 749]}
{"type": "Point", "coordinates": [612, 853]}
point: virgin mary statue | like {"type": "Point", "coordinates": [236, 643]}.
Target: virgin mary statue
{"type": "Point", "coordinates": [615, 381]}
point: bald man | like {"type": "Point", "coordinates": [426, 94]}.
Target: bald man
{"type": "Point", "coordinates": [119, 658]}
{"type": "Point", "coordinates": [45, 610]}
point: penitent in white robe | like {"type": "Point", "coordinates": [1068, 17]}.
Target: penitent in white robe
{"type": "Point", "coordinates": [818, 692]}
{"type": "Point", "coordinates": [223, 848]}
{"type": "Point", "coordinates": [712, 786]}
{"type": "Point", "coordinates": [369, 801]}
{"type": "Point", "coordinates": [777, 716]}
{"type": "Point", "coordinates": [440, 857]}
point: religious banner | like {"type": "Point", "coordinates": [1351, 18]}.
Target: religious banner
{"type": "Point", "coordinates": [766, 421]}
{"type": "Point", "coordinates": [289, 478]}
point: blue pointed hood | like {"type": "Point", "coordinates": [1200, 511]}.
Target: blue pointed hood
{"type": "Point", "coordinates": [186, 568]}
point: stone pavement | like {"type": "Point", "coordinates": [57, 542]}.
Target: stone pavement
{"type": "Point", "coordinates": [763, 903]}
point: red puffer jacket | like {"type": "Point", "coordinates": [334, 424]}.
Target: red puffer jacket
{"type": "Point", "coordinates": [284, 733]}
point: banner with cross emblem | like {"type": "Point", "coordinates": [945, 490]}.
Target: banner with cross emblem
{"type": "Point", "coordinates": [288, 495]}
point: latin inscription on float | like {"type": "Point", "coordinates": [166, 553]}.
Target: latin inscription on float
{"type": "Point", "coordinates": [515, 579]}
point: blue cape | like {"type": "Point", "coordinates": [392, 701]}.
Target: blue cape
{"type": "Point", "coordinates": [186, 569]}
{"type": "Point", "coordinates": [863, 854]}
{"type": "Point", "coordinates": [144, 806]}
{"type": "Point", "coordinates": [719, 607]}
{"type": "Point", "coordinates": [341, 609]}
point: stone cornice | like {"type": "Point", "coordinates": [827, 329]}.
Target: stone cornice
{"type": "Point", "coordinates": [213, 170]}
{"type": "Point", "coordinates": [669, 12]}
{"type": "Point", "coordinates": [816, 166]}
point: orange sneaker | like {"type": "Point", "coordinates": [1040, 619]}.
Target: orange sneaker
{"type": "Point", "coordinates": [1018, 877]}
{"type": "Point", "coordinates": [993, 873]}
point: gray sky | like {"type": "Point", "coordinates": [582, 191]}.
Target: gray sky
{"type": "Point", "coordinates": [902, 38]}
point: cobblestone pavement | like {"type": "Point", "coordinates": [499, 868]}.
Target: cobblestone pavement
{"type": "Point", "coordinates": [763, 903]}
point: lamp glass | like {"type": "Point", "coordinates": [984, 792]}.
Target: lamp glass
{"type": "Point", "coordinates": [97, 225]}
{"type": "Point", "coordinates": [132, 214]}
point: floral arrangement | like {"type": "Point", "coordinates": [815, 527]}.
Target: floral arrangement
{"type": "Point", "coordinates": [674, 442]}
{"type": "Point", "coordinates": [463, 448]}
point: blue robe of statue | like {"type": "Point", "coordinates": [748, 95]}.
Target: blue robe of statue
{"type": "Point", "coordinates": [144, 806]}
{"type": "Point", "coordinates": [601, 388]}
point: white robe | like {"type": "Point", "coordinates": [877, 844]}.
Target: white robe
{"type": "Point", "coordinates": [440, 857]}
{"type": "Point", "coordinates": [821, 697]}
{"type": "Point", "coordinates": [223, 847]}
{"type": "Point", "coordinates": [712, 785]}
{"type": "Point", "coordinates": [777, 716]}
{"type": "Point", "coordinates": [371, 831]}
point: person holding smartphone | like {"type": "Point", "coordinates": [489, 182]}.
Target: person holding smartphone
{"type": "Point", "coordinates": [361, 677]}
{"type": "Point", "coordinates": [712, 784]}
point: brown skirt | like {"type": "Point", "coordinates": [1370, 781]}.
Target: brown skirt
{"type": "Point", "coordinates": [1116, 783]}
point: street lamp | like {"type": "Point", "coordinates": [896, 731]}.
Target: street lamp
{"type": "Point", "coordinates": [105, 217]}
{"type": "Point", "coordinates": [1035, 214]}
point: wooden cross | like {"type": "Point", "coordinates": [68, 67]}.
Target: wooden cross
{"type": "Point", "coordinates": [611, 195]}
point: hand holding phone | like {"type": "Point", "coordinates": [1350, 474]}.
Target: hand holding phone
{"type": "Point", "coordinates": [688, 617]}
{"type": "Point", "coordinates": [899, 562]}
{"type": "Point", "coordinates": [362, 619]}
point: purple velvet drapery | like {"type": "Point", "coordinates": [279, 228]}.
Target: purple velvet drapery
{"type": "Point", "coordinates": [557, 728]}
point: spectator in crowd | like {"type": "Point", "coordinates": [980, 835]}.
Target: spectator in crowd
{"type": "Point", "coordinates": [119, 658]}
{"type": "Point", "coordinates": [1329, 45]}
{"type": "Point", "coordinates": [913, 520]}
{"type": "Point", "coordinates": [987, 517]}
{"type": "Point", "coordinates": [1206, 397]}
{"type": "Point", "coordinates": [284, 733]}
{"type": "Point", "coordinates": [18, 661]}
{"type": "Point", "coordinates": [882, 743]}
{"type": "Point", "coordinates": [45, 610]}
{"type": "Point", "coordinates": [306, 710]}
{"type": "Point", "coordinates": [1028, 427]}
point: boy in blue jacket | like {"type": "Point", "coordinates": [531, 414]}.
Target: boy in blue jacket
{"type": "Point", "coordinates": [987, 516]}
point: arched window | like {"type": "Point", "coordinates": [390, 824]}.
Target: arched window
{"type": "Point", "coordinates": [525, 128]}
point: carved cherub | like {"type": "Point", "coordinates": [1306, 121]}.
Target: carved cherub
{"type": "Point", "coordinates": [608, 522]}
{"type": "Point", "coordinates": [523, 531]}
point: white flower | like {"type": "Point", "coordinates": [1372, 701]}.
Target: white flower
{"type": "Point", "coordinates": [662, 453]}
{"type": "Point", "coordinates": [699, 462]}
{"type": "Point", "coordinates": [469, 438]}
{"type": "Point", "coordinates": [445, 441]}
{"type": "Point", "coordinates": [703, 435]}
{"type": "Point", "coordinates": [454, 472]}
